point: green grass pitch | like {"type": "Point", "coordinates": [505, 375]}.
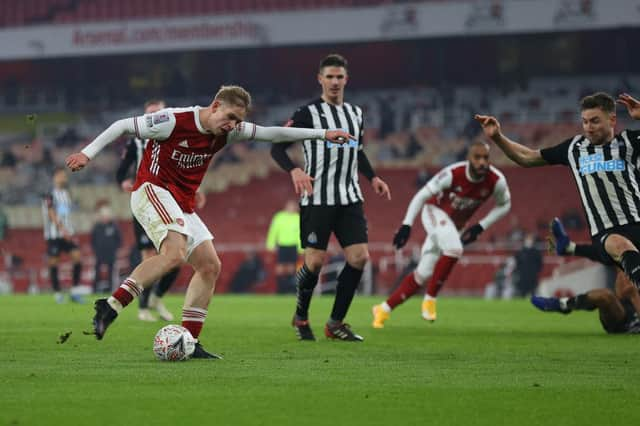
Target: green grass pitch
{"type": "Point", "coordinates": [481, 363]}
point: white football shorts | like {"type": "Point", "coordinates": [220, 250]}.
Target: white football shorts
{"type": "Point", "coordinates": [442, 234]}
{"type": "Point", "coordinates": [158, 213]}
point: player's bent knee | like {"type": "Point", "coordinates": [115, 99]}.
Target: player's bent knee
{"type": "Point", "coordinates": [616, 244]}
{"type": "Point", "coordinates": [175, 258]}
{"type": "Point", "coordinates": [314, 263]}
{"type": "Point", "coordinates": [627, 291]}
{"type": "Point", "coordinates": [420, 278]}
{"type": "Point", "coordinates": [359, 260]}
{"type": "Point", "coordinates": [210, 270]}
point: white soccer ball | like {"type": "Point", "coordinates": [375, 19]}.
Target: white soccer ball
{"type": "Point", "coordinates": [173, 343]}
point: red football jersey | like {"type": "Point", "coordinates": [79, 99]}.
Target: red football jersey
{"type": "Point", "coordinates": [459, 196]}
{"type": "Point", "coordinates": [179, 151]}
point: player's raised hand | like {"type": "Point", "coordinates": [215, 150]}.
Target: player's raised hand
{"type": "Point", "coordinates": [402, 236]}
{"type": "Point", "coordinates": [632, 104]}
{"type": "Point", "coordinates": [77, 161]}
{"type": "Point", "coordinates": [302, 182]}
{"type": "Point", "coordinates": [490, 125]}
{"type": "Point", "coordinates": [337, 136]}
{"type": "Point", "coordinates": [381, 187]}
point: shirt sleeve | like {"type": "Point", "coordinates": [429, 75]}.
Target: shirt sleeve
{"type": "Point", "coordinates": [157, 126]}
{"type": "Point", "coordinates": [437, 184]}
{"type": "Point", "coordinates": [364, 166]}
{"type": "Point", "coordinates": [502, 198]}
{"type": "Point", "coordinates": [272, 234]}
{"type": "Point", "coordinates": [633, 136]}
{"type": "Point", "coordinates": [301, 118]}
{"type": "Point", "coordinates": [361, 135]}
{"type": "Point", "coordinates": [558, 154]}
{"type": "Point", "coordinates": [47, 199]}
{"type": "Point", "coordinates": [246, 131]}
{"type": "Point", "coordinates": [440, 181]}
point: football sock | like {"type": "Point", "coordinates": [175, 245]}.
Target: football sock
{"type": "Point", "coordinates": [193, 320]}
{"type": "Point", "coordinates": [306, 282]}
{"type": "Point", "coordinates": [407, 288]}
{"type": "Point", "coordinates": [631, 265]}
{"type": "Point", "coordinates": [348, 282]}
{"type": "Point", "coordinates": [586, 250]}
{"type": "Point", "coordinates": [77, 269]}
{"type": "Point", "coordinates": [440, 273]}
{"type": "Point", "coordinates": [124, 294]}
{"type": "Point", "coordinates": [580, 302]}
{"type": "Point", "coordinates": [143, 301]}
{"type": "Point", "coordinates": [161, 288]}
{"type": "Point", "coordinates": [53, 276]}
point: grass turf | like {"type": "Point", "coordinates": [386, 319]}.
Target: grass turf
{"type": "Point", "coordinates": [481, 363]}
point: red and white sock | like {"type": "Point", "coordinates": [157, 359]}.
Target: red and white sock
{"type": "Point", "coordinates": [440, 274]}
{"type": "Point", "coordinates": [193, 320]}
{"type": "Point", "coordinates": [124, 294]}
{"type": "Point", "coordinates": [405, 290]}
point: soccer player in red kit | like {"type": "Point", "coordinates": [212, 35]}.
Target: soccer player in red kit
{"type": "Point", "coordinates": [447, 202]}
{"type": "Point", "coordinates": [182, 144]}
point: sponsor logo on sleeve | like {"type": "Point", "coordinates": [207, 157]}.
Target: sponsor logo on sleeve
{"type": "Point", "coordinates": [160, 117]}
{"type": "Point", "coordinates": [149, 121]}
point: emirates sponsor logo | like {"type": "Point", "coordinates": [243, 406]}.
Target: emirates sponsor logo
{"type": "Point", "coordinates": [190, 160]}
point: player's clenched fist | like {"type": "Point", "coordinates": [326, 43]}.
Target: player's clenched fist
{"type": "Point", "coordinates": [77, 161]}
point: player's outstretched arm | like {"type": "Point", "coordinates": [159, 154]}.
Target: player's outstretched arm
{"type": "Point", "coordinates": [632, 104]}
{"type": "Point", "coordinates": [79, 160]}
{"type": "Point", "coordinates": [518, 153]}
{"type": "Point", "coordinates": [249, 131]}
{"type": "Point", "coordinates": [502, 198]}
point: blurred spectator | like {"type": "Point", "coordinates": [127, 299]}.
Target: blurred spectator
{"type": "Point", "coordinates": [284, 237]}
{"type": "Point", "coordinates": [8, 158]}
{"type": "Point", "coordinates": [528, 267]}
{"type": "Point", "coordinates": [502, 285]}
{"type": "Point", "coordinates": [422, 178]}
{"type": "Point", "coordinates": [4, 222]}
{"type": "Point", "coordinates": [413, 147]}
{"type": "Point", "coordinates": [250, 272]}
{"type": "Point", "coordinates": [105, 241]}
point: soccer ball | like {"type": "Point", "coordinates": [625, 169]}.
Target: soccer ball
{"type": "Point", "coordinates": [173, 343]}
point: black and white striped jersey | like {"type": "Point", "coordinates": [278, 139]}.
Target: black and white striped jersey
{"type": "Point", "coordinates": [334, 167]}
{"type": "Point", "coordinates": [607, 177]}
{"type": "Point", "coordinates": [132, 155]}
{"type": "Point", "coordinates": [60, 201]}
